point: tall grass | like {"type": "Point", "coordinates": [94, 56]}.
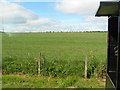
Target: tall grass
{"type": "Point", "coordinates": [64, 53]}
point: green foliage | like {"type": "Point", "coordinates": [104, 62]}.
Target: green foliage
{"type": "Point", "coordinates": [12, 65]}
{"type": "Point", "coordinates": [17, 81]}
{"type": "Point", "coordinates": [64, 54]}
{"type": "Point", "coordinates": [62, 68]}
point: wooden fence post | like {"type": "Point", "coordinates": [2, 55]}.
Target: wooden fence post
{"type": "Point", "coordinates": [39, 58]}
{"type": "Point", "coordinates": [86, 66]}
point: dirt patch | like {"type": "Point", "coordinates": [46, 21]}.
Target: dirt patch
{"type": "Point", "coordinates": [71, 87]}
{"type": "Point", "coordinates": [103, 83]}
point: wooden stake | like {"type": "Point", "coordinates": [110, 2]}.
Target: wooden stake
{"type": "Point", "coordinates": [86, 62]}
{"type": "Point", "coordinates": [39, 57]}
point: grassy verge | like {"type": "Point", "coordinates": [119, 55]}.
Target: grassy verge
{"type": "Point", "coordinates": [23, 81]}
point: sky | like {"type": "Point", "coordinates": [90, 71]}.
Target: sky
{"type": "Point", "coordinates": [51, 15]}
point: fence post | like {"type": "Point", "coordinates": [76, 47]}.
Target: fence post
{"type": "Point", "coordinates": [39, 57]}
{"type": "Point", "coordinates": [86, 66]}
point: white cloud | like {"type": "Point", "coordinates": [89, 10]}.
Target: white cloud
{"type": "Point", "coordinates": [99, 23]}
{"type": "Point", "coordinates": [27, 21]}
{"type": "Point", "coordinates": [42, 21]}
{"type": "Point", "coordinates": [35, 0]}
{"type": "Point", "coordinates": [41, 24]}
{"type": "Point", "coordinates": [88, 8]}
{"type": "Point", "coordinates": [18, 18]}
{"type": "Point", "coordinates": [12, 13]}
{"type": "Point", "coordinates": [89, 23]}
{"type": "Point", "coordinates": [92, 25]}
{"type": "Point", "coordinates": [79, 6]}
{"type": "Point", "coordinates": [96, 20]}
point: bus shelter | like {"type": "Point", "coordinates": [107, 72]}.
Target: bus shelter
{"type": "Point", "coordinates": [112, 10]}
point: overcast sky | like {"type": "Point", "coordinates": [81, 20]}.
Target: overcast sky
{"type": "Point", "coordinates": [51, 15]}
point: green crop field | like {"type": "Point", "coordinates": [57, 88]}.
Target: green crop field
{"type": "Point", "coordinates": [62, 55]}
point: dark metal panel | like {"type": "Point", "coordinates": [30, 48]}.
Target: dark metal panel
{"type": "Point", "coordinates": [112, 44]}
{"type": "Point", "coordinates": [109, 83]}
{"type": "Point", "coordinates": [108, 9]}
{"type": "Point", "coordinates": [118, 62]}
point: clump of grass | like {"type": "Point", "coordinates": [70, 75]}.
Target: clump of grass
{"type": "Point", "coordinates": [17, 81]}
{"type": "Point", "coordinates": [61, 68]}
{"type": "Point", "coordinates": [12, 65]}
